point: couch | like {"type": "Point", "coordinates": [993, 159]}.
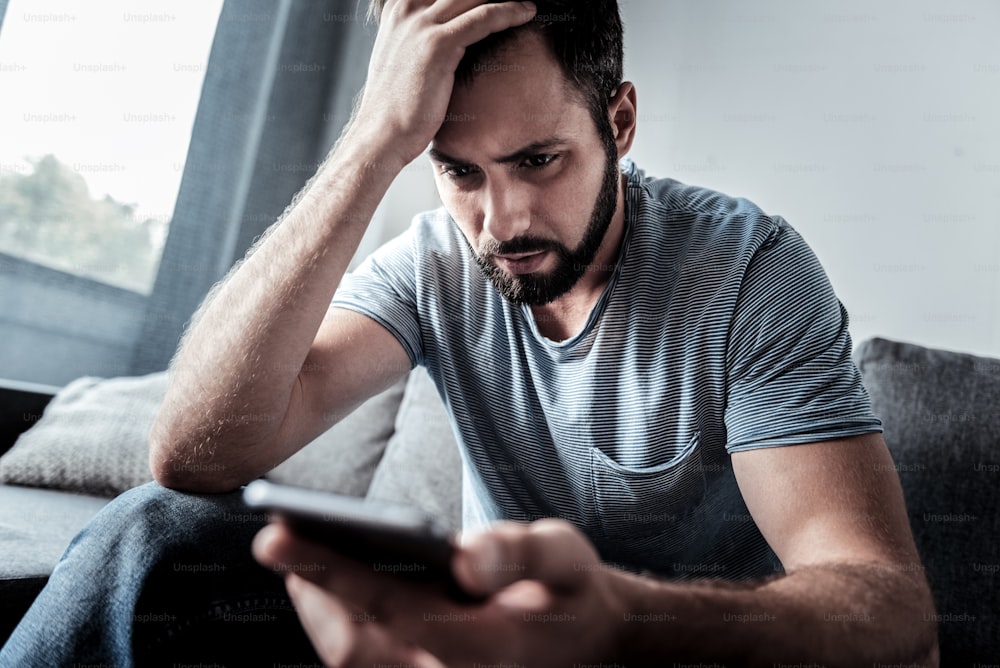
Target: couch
{"type": "Point", "coordinates": [941, 412]}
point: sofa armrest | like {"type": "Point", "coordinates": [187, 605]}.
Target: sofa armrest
{"type": "Point", "coordinates": [21, 405]}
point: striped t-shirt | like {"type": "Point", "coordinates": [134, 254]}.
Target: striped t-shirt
{"type": "Point", "coordinates": [717, 332]}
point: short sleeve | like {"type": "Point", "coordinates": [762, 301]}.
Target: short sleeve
{"type": "Point", "coordinates": [384, 288]}
{"type": "Point", "coordinates": [789, 370]}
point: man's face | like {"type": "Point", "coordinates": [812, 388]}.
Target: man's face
{"type": "Point", "coordinates": [522, 169]}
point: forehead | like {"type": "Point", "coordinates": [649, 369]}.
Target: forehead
{"type": "Point", "coordinates": [518, 96]}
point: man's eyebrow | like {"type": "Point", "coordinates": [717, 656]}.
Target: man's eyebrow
{"type": "Point", "coordinates": [520, 154]}
{"type": "Point", "coordinates": [531, 150]}
{"type": "Point", "coordinates": [444, 158]}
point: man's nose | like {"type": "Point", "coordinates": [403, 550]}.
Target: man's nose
{"type": "Point", "coordinates": [507, 213]}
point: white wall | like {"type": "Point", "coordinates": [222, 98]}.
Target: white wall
{"type": "Point", "coordinates": [413, 191]}
{"type": "Point", "coordinates": [873, 127]}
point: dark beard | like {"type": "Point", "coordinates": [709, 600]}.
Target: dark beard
{"type": "Point", "coordinates": [541, 288]}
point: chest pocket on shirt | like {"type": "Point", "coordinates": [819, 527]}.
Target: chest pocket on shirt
{"type": "Point", "coordinates": [659, 500]}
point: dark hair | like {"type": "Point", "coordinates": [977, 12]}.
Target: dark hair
{"type": "Point", "coordinates": [585, 37]}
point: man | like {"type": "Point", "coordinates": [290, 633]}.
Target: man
{"type": "Point", "coordinates": [644, 364]}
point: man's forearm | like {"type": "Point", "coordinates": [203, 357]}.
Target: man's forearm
{"type": "Point", "coordinates": [234, 374]}
{"type": "Point", "coordinates": [842, 615]}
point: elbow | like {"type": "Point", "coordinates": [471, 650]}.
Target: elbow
{"type": "Point", "coordinates": [174, 465]}
{"type": "Point", "coordinates": [194, 477]}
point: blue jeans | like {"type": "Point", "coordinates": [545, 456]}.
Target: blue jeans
{"type": "Point", "coordinates": [160, 577]}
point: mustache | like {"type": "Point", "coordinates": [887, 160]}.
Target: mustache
{"type": "Point", "coordinates": [491, 249]}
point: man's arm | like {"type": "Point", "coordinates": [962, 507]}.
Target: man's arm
{"type": "Point", "coordinates": [246, 384]}
{"type": "Point", "coordinates": [264, 360]}
{"type": "Point", "coordinates": [854, 593]}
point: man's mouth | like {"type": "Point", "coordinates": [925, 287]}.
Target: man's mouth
{"type": "Point", "coordinates": [521, 263]}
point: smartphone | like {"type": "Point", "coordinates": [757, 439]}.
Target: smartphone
{"type": "Point", "coordinates": [394, 539]}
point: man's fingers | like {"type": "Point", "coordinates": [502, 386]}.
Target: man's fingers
{"type": "Point", "coordinates": [343, 641]}
{"type": "Point", "coordinates": [411, 75]}
{"type": "Point", "coordinates": [523, 569]}
{"type": "Point", "coordinates": [277, 548]}
{"type": "Point", "coordinates": [486, 19]}
{"type": "Point", "coordinates": [325, 620]}
{"type": "Point", "coordinates": [470, 13]}
{"type": "Point", "coordinates": [551, 551]}
{"type": "Point", "coordinates": [447, 10]}
{"type": "Point", "coordinates": [355, 582]}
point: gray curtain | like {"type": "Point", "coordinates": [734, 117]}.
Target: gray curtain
{"type": "Point", "coordinates": [280, 83]}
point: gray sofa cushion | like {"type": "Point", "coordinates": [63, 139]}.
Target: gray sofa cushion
{"type": "Point", "coordinates": [36, 525]}
{"type": "Point", "coordinates": [941, 412]}
{"type": "Point", "coordinates": [92, 439]}
{"type": "Point", "coordinates": [343, 459]}
{"type": "Point", "coordinates": [421, 466]}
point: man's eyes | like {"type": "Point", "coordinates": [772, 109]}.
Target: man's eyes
{"type": "Point", "coordinates": [540, 160]}
{"type": "Point", "coordinates": [458, 172]}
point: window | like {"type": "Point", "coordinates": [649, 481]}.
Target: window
{"type": "Point", "coordinates": [99, 103]}
{"type": "Point", "coordinates": [184, 128]}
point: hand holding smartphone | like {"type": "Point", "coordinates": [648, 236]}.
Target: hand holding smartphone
{"type": "Point", "coordinates": [394, 539]}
